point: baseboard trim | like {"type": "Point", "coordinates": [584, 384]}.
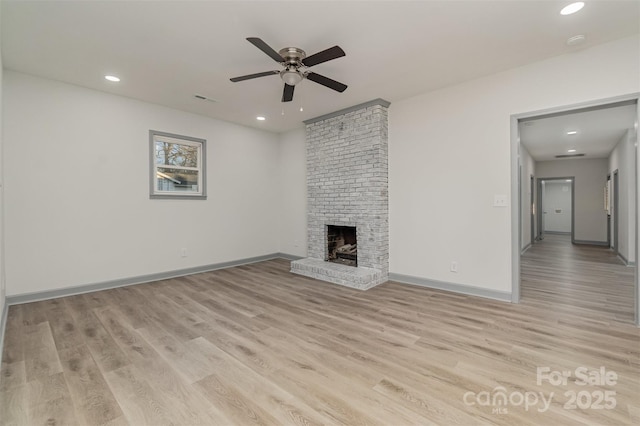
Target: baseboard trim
{"type": "Point", "coordinates": [123, 282]}
{"type": "Point", "coordinates": [625, 261]}
{"type": "Point", "coordinates": [527, 247]}
{"type": "Point", "coordinates": [591, 243]}
{"type": "Point", "coordinates": [289, 256]}
{"type": "Point", "coordinates": [503, 296]}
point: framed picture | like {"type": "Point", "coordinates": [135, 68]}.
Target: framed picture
{"type": "Point", "coordinates": [177, 166]}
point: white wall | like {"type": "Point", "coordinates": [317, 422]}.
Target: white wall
{"type": "Point", "coordinates": [77, 189]}
{"type": "Point", "coordinates": [527, 170]}
{"type": "Point", "coordinates": [557, 206]}
{"type": "Point", "coordinates": [449, 154]}
{"type": "Point", "coordinates": [292, 167]}
{"type": "Point", "coordinates": [622, 158]}
{"type": "Point", "coordinates": [590, 178]}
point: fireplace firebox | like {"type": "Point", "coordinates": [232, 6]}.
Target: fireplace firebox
{"type": "Point", "coordinates": [342, 245]}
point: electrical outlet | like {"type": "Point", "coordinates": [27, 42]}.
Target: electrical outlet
{"type": "Point", "coordinates": [454, 266]}
{"type": "Point", "coordinates": [500, 201]}
{"type": "Point", "coordinates": [183, 252]}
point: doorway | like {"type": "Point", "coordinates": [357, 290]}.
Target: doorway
{"type": "Point", "coordinates": [518, 157]}
{"type": "Point", "coordinates": [556, 206]}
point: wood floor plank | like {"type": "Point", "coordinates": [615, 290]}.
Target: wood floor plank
{"type": "Point", "coordinates": [284, 407]}
{"type": "Point", "coordinates": [12, 374]}
{"type": "Point", "coordinates": [176, 394]}
{"type": "Point", "coordinates": [189, 364]}
{"type": "Point", "coordinates": [13, 347]}
{"type": "Point", "coordinates": [141, 404]}
{"type": "Point", "coordinates": [14, 405]}
{"type": "Point", "coordinates": [50, 402]}
{"type": "Point", "coordinates": [92, 396]}
{"type": "Point", "coordinates": [106, 353]}
{"type": "Point", "coordinates": [240, 409]}
{"type": "Point", "coordinates": [313, 360]}
{"type": "Point", "coordinates": [41, 356]}
{"type": "Point", "coordinates": [125, 301]}
{"type": "Point", "coordinates": [34, 313]}
{"type": "Point", "coordinates": [63, 327]}
{"type": "Point", "coordinates": [168, 314]}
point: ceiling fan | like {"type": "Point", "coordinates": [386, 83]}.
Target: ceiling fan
{"type": "Point", "coordinates": [295, 63]}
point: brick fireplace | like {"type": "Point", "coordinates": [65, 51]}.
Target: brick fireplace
{"type": "Point", "coordinates": [347, 187]}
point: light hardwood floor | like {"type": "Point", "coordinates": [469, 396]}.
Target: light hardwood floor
{"type": "Point", "coordinates": [257, 345]}
{"type": "Point", "coordinates": [588, 281]}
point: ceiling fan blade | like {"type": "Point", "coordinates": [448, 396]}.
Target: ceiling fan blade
{"type": "Point", "coordinates": [287, 94]}
{"type": "Point", "coordinates": [257, 42]}
{"type": "Point", "coordinates": [324, 56]}
{"type": "Point", "coordinates": [250, 76]}
{"type": "Point", "coordinates": [326, 81]}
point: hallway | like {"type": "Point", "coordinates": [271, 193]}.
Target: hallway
{"type": "Point", "coordinates": [588, 283]}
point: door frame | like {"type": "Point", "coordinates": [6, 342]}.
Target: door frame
{"type": "Point", "coordinates": [516, 215]}
{"type": "Point", "coordinates": [532, 206]}
{"type": "Point", "coordinates": [609, 183]}
{"type": "Point", "coordinates": [540, 206]}
{"type": "Point", "coordinates": [615, 194]}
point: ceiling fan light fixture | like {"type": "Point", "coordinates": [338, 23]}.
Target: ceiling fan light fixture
{"type": "Point", "coordinates": [291, 77]}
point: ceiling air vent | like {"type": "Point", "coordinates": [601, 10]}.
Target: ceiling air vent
{"type": "Point", "coordinates": [204, 98]}
{"type": "Point", "coordinates": [569, 155]}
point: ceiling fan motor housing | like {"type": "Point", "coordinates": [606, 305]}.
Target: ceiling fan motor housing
{"type": "Point", "coordinates": [292, 55]}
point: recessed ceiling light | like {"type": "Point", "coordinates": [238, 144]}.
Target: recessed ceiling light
{"type": "Point", "coordinates": [572, 132]}
{"type": "Point", "coordinates": [571, 150]}
{"type": "Point", "coordinates": [576, 40]}
{"type": "Point", "coordinates": [568, 180]}
{"type": "Point", "coordinates": [112, 78]}
{"type": "Point", "coordinates": [572, 8]}
{"type": "Point", "coordinates": [260, 118]}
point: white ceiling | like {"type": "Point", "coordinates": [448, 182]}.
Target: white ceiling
{"type": "Point", "coordinates": [598, 132]}
{"type": "Point", "coordinates": [167, 51]}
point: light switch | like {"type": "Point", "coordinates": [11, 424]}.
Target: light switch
{"type": "Point", "coordinates": [500, 201]}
